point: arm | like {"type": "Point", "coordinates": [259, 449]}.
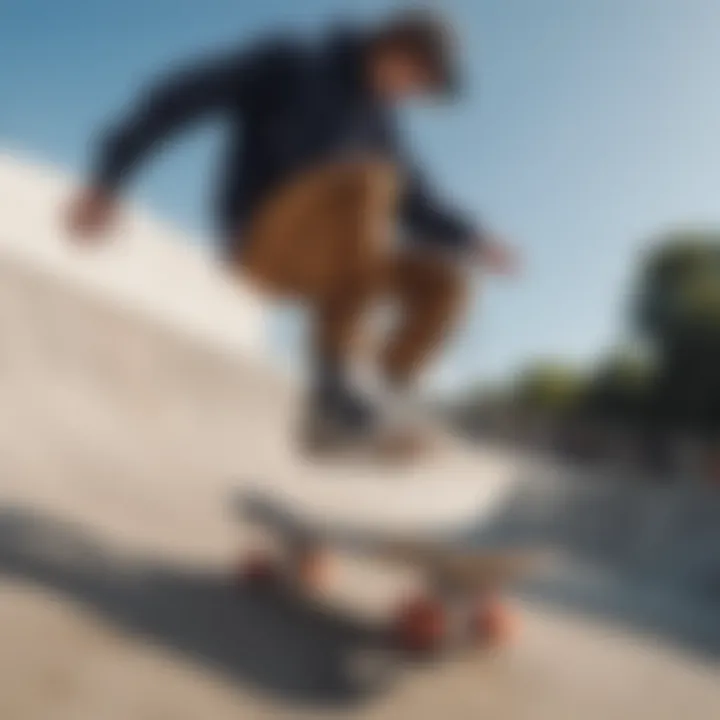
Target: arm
{"type": "Point", "coordinates": [173, 104]}
{"type": "Point", "coordinates": [433, 222]}
{"type": "Point", "coordinates": [427, 218]}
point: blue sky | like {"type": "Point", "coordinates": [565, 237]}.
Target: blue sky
{"type": "Point", "coordinates": [589, 126]}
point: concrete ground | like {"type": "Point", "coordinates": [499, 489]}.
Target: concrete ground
{"type": "Point", "coordinates": [120, 444]}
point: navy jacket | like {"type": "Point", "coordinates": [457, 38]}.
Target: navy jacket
{"type": "Point", "coordinates": [289, 105]}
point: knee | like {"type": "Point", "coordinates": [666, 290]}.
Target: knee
{"type": "Point", "coordinates": [438, 284]}
{"type": "Point", "coordinates": [382, 177]}
{"type": "Point", "coordinates": [448, 294]}
{"type": "Point", "coordinates": [373, 181]}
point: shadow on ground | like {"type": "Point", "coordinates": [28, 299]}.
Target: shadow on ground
{"type": "Point", "coordinates": [288, 653]}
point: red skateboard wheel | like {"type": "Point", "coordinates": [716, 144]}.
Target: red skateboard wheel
{"type": "Point", "coordinates": [314, 568]}
{"type": "Point", "coordinates": [420, 625]}
{"type": "Point", "coordinates": [259, 570]}
{"type": "Point", "coordinates": [494, 623]}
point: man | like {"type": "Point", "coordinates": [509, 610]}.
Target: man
{"type": "Point", "coordinates": [319, 201]}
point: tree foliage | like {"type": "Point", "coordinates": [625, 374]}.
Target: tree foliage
{"type": "Point", "coordinates": [549, 386]}
{"type": "Point", "coordinates": [679, 289]}
{"type": "Point", "coordinates": [679, 313]}
{"type": "Point", "coordinates": [676, 314]}
{"type": "Point", "coordinates": [619, 388]}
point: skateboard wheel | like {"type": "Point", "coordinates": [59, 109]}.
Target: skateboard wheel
{"type": "Point", "coordinates": [494, 623]}
{"type": "Point", "coordinates": [259, 570]}
{"type": "Point", "coordinates": [420, 625]}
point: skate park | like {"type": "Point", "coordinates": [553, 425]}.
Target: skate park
{"type": "Point", "coordinates": [129, 414]}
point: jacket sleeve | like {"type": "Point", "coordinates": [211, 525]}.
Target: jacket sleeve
{"type": "Point", "coordinates": [177, 102]}
{"type": "Point", "coordinates": [430, 220]}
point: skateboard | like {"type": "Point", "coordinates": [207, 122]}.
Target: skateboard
{"type": "Point", "coordinates": [459, 602]}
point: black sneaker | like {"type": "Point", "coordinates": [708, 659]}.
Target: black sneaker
{"type": "Point", "coordinates": [338, 420]}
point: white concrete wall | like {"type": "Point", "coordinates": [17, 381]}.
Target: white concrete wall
{"type": "Point", "coordinates": [144, 264]}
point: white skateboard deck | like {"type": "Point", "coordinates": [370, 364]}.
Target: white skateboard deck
{"type": "Point", "coordinates": [442, 560]}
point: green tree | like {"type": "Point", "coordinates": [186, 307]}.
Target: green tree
{"type": "Point", "coordinates": [549, 386]}
{"type": "Point", "coordinates": [679, 288]}
{"type": "Point", "coordinates": [619, 388]}
{"type": "Point", "coordinates": [678, 312]}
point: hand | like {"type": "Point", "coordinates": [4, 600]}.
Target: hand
{"type": "Point", "coordinates": [90, 215]}
{"type": "Point", "coordinates": [498, 257]}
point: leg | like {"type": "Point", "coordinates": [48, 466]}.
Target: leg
{"type": "Point", "coordinates": [326, 240]}
{"type": "Point", "coordinates": [431, 293]}
{"type": "Point", "coordinates": [364, 233]}
{"type": "Point", "coordinates": [325, 234]}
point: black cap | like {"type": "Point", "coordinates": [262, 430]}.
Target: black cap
{"type": "Point", "coordinates": [431, 39]}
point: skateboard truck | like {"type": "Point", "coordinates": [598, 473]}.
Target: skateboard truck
{"type": "Point", "coordinates": [459, 605]}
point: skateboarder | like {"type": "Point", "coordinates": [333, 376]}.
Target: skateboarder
{"type": "Point", "coordinates": [319, 201]}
